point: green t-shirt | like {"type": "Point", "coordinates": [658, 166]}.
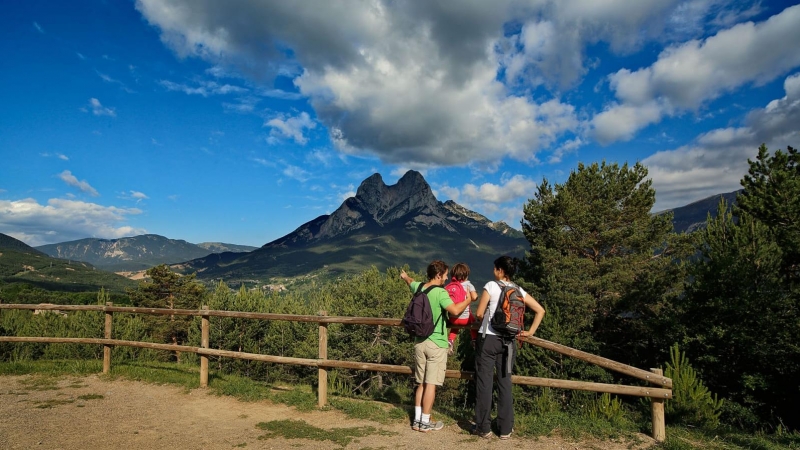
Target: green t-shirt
{"type": "Point", "coordinates": [440, 300]}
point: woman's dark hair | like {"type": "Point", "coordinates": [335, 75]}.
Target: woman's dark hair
{"type": "Point", "coordinates": [436, 267]}
{"type": "Point", "coordinates": [507, 264]}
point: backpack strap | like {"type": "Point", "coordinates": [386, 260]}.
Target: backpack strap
{"type": "Point", "coordinates": [426, 292]}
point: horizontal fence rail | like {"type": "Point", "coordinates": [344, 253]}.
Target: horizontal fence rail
{"type": "Point", "coordinates": [661, 390]}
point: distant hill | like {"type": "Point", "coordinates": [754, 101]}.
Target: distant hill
{"type": "Point", "coordinates": [134, 253]}
{"type": "Point", "coordinates": [219, 247]}
{"type": "Point", "coordinates": [693, 216]}
{"type": "Point", "coordinates": [26, 265]}
{"type": "Point", "coordinates": [9, 243]}
{"type": "Point", "coordinates": [381, 226]}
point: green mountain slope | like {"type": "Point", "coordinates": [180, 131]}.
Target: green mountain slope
{"type": "Point", "coordinates": [381, 226]}
{"type": "Point", "coordinates": [42, 271]}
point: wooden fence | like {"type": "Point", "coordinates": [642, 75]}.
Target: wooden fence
{"type": "Point", "coordinates": [660, 389]}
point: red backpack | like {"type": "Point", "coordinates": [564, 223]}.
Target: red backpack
{"type": "Point", "coordinates": [457, 292]}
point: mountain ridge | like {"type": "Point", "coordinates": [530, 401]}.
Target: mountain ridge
{"type": "Point", "coordinates": [381, 225]}
{"type": "Point", "coordinates": [133, 253]}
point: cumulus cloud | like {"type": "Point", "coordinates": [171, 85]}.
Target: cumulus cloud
{"type": "Point", "coordinates": [405, 81]}
{"type": "Point", "coordinates": [63, 220]}
{"type": "Point", "coordinates": [82, 185]}
{"type": "Point", "coordinates": [291, 127]}
{"type": "Point", "coordinates": [690, 74]}
{"type": "Point", "coordinates": [717, 160]}
{"type": "Point", "coordinates": [428, 84]}
{"type": "Point", "coordinates": [511, 189]}
{"type": "Point", "coordinates": [99, 110]}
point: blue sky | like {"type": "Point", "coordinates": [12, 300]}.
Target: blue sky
{"type": "Point", "coordinates": [238, 121]}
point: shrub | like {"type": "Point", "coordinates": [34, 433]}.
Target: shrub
{"type": "Point", "coordinates": [692, 403]}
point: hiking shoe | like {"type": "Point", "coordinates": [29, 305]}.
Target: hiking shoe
{"type": "Point", "coordinates": [475, 432]}
{"type": "Point", "coordinates": [506, 436]}
{"type": "Point", "coordinates": [430, 426]}
{"type": "Point", "coordinates": [415, 425]}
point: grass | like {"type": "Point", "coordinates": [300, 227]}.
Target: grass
{"type": "Point", "coordinates": [682, 438]}
{"type": "Point", "coordinates": [297, 429]}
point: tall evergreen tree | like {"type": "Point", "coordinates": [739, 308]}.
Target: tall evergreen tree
{"type": "Point", "coordinates": [741, 313]}
{"type": "Point", "coordinates": [601, 262]}
{"type": "Point", "coordinates": [740, 320]}
{"type": "Point", "coordinates": [772, 196]}
{"type": "Point", "coordinates": [167, 289]}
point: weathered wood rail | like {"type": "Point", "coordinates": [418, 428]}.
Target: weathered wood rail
{"type": "Point", "coordinates": [660, 389]}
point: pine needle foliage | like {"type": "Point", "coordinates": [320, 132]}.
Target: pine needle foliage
{"type": "Point", "coordinates": [692, 403]}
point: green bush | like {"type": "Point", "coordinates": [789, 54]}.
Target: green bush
{"type": "Point", "coordinates": [692, 403]}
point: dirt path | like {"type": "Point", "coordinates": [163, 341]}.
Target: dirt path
{"type": "Point", "coordinates": [69, 413]}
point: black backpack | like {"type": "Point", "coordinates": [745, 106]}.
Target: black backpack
{"type": "Point", "coordinates": [509, 315]}
{"type": "Point", "coordinates": [418, 320]}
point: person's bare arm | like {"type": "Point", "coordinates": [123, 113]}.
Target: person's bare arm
{"type": "Point", "coordinates": [404, 276]}
{"type": "Point", "coordinates": [456, 309]}
{"type": "Point", "coordinates": [483, 303]}
{"type": "Point", "coordinates": [538, 309]}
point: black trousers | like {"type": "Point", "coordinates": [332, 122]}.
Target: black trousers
{"type": "Point", "coordinates": [492, 354]}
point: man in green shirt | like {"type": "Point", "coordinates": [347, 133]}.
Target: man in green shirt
{"type": "Point", "coordinates": [430, 354]}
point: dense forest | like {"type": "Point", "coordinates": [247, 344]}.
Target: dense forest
{"type": "Point", "coordinates": [718, 308]}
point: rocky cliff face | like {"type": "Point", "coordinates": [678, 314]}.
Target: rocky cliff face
{"type": "Point", "coordinates": [409, 204]}
{"type": "Point", "coordinates": [132, 253]}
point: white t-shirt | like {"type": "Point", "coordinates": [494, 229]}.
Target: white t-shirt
{"type": "Point", "coordinates": [467, 285]}
{"type": "Point", "coordinates": [493, 288]}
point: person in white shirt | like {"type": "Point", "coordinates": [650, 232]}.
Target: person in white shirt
{"type": "Point", "coordinates": [496, 352]}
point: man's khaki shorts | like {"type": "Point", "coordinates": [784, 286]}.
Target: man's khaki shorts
{"type": "Point", "coordinates": [431, 363]}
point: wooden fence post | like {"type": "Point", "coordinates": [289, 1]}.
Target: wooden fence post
{"type": "Point", "coordinates": [322, 391]}
{"type": "Point", "coordinates": [107, 348]}
{"type": "Point", "coordinates": [657, 410]}
{"type": "Point", "coordinates": [204, 327]}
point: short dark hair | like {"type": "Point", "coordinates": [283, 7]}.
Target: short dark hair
{"type": "Point", "coordinates": [436, 267]}
{"type": "Point", "coordinates": [460, 271]}
{"type": "Point", "coordinates": [507, 264]}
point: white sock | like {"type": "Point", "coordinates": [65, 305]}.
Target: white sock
{"type": "Point", "coordinates": [417, 413]}
{"type": "Point", "coordinates": [425, 418]}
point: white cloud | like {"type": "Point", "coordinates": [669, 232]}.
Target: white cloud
{"type": "Point", "coordinates": [138, 196]}
{"type": "Point", "coordinates": [67, 177]}
{"type": "Point", "coordinates": [203, 88]}
{"type": "Point", "coordinates": [292, 127]}
{"type": "Point", "coordinates": [80, 55]}
{"type": "Point", "coordinates": [99, 110]}
{"type": "Point", "coordinates": [284, 95]}
{"type": "Point", "coordinates": [243, 105]}
{"type": "Point", "coordinates": [510, 189]}
{"type": "Point", "coordinates": [404, 81]}
{"type": "Point", "coordinates": [60, 156]}
{"type": "Point", "coordinates": [296, 173]}
{"type": "Point", "coordinates": [717, 160]}
{"type": "Point", "coordinates": [38, 27]}
{"type": "Point", "coordinates": [63, 220]}
{"type": "Point", "coordinates": [688, 75]}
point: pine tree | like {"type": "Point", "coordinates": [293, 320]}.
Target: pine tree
{"type": "Point", "coordinates": [167, 289]}
{"type": "Point", "coordinates": [601, 262]}
{"type": "Point", "coordinates": [772, 196]}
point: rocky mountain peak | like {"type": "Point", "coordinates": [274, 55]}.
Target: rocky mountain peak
{"type": "Point", "coordinates": [409, 205]}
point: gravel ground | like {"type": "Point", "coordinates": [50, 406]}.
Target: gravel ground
{"type": "Point", "coordinates": [93, 413]}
